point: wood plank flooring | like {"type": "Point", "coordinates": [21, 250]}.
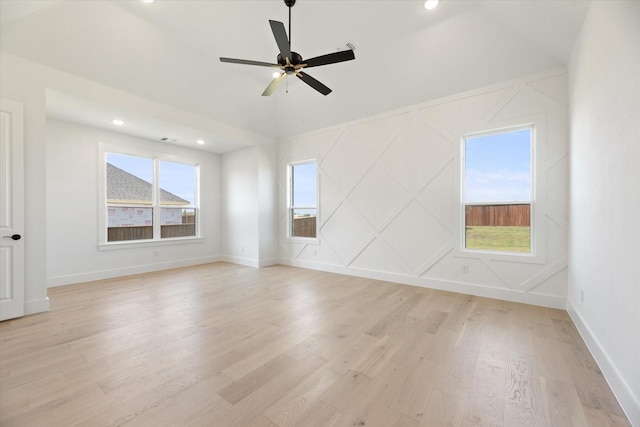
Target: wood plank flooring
{"type": "Point", "coordinates": [227, 345]}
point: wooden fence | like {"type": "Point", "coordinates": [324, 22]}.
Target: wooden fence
{"type": "Point", "coordinates": [179, 230]}
{"type": "Point", "coordinates": [121, 234]}
{"type": "Point", "coordinates": [304, 226]}
{"type": "Point", "coordinates": [498, 215]}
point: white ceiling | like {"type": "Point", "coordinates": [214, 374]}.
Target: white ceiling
{"type": "Point", "coordinates": [168, 51]}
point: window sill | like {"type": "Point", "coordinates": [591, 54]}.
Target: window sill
{"type": "Point", "coordinates": [303, 240]}
{"type": "Point", "coordinates": [519, 257]}
{"type": "Point", "coordinates": [148, 243]}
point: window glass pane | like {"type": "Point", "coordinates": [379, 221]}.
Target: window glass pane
{"type": "Point", "coordinates": [177, 184]}
{"type": "Point", "coordinates": [134, 181]}
{"type": "Point", "coordinates": [129, 223]}
{"type": "Point", "coordinates": [504, 228]}
{"type": "Point", "coordinates": [129, 180]}
{"type": "Point", "coordinates": [303, 185]}
{"type": "Point", "coordinates": [498, 167]}
{"type": "Point", "coordinates": [498, 192]}
{"type": "Point", "coordinates": [177, 222]}
{"type": "Point", "coordinates": [303, 222]}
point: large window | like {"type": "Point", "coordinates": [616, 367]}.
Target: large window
{"type": "Point", "coordinates": [498, 191]}
{"type": "Point", "coordinates": [149, 199]}
{"type": "Point", "coordinates": [303, 200]}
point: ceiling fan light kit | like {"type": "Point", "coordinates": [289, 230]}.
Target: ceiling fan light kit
{"type": "Point", "coordinates": [292, 63]}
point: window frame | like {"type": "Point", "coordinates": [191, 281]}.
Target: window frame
{"type": "Point", "coordinates": [537, 201]}
{"type": "Point", "coordinates": [291, 207]}
{"type": "Point", "coordinates": [157, 239]}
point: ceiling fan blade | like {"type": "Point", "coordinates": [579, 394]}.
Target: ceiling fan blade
{"type": "Point", "coordinates": [330, 58]}
{"type": "Point", "coordinates": [274, 84]}
{"type": "Point", "coordinates": [313, 83]}
{"type": "Point", "coordinates": [248, 62]}
{"type": "Point", "coordinates": [282, 40]}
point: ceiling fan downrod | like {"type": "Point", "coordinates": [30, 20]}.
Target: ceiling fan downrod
{"type": "Point", "coordinates": [289, 4]}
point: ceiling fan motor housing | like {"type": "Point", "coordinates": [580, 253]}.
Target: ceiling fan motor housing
{"type": "Point", "coordinates": [295, 60]}
{"type": "Point", "coordinates": [289, 3]}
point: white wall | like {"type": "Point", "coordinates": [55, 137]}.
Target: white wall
{"type": "Point", "coordinates": [268, 209]}
{"type": "Point", "coordinates": [73, 204]}
{"type": "Point", "coordinates": [249, 216]}
{"type": "Point", "coordinates": [605, 194]}
{"type": "Point", "coordinates": [240, 198]}
{"type": "Point", "coordinates": [388, 193]}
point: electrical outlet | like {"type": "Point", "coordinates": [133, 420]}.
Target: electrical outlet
{"type": "Point", "coordinates": [242, 249]}
{"type": "Point", "coordinates": [582, 295]}
{"type": "Point", "coordinates": [156, 253]}
{"type": "Point", "coordinates": [464, 268]}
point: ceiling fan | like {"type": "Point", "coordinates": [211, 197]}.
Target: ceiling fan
{"type": "Point", "coordinates": [291, 63]}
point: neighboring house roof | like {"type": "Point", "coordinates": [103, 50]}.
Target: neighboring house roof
{"type": "Point", "coordinates": [123, 187]}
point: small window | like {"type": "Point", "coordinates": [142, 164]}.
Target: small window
{"type": "Point", "coordinates": [303, 199]}
{"type": "Point", "coordinates": [498, 191]}
{"type": "Point", "coordinates": [149, 199]}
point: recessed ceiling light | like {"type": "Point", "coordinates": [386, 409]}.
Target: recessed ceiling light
{"type": "Point", "coordinates": [431, 4]}
{"type": "Point", "coordinates": [147, 1]}
{"type": "Point", "coordinates": [117, 122]}
{"type": "Point", "coordinates": [201, 142]}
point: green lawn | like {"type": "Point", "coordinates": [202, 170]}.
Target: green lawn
{"type": "Point", "coordinates": [510, 239]}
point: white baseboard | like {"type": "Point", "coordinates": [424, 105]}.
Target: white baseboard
{"type": "Point", "coordinates": [127, 271]}
{"type": "Point", "coordinates": [71, 279]}
{"type": "Point", "coordinates": [249, 262]}
{"type": "Point", "coordinates": [629, 402]}
{"type": "Point", "coordinates": [551, 301]}
{"type": "Point", "coordinates": [269, 261]}
{"type": "Point", "coordinates": [37, 306]}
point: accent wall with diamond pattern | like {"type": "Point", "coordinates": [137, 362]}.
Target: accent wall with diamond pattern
{"type": "Point", "coordinates": [388, 194]}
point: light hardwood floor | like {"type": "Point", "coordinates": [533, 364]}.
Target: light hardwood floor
{"type": "Point", "coordinates": [226, 345]}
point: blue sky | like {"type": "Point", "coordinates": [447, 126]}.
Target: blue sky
{"type": "Point", "coordinates": [175, 178]}
{"type": "Point", "coordinates": [498, 167]}
{"type": "Point", "coordinates": [304, 176]}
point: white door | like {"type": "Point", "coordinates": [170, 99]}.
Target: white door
{"type": "Point", "coordinates": [11, 211]}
